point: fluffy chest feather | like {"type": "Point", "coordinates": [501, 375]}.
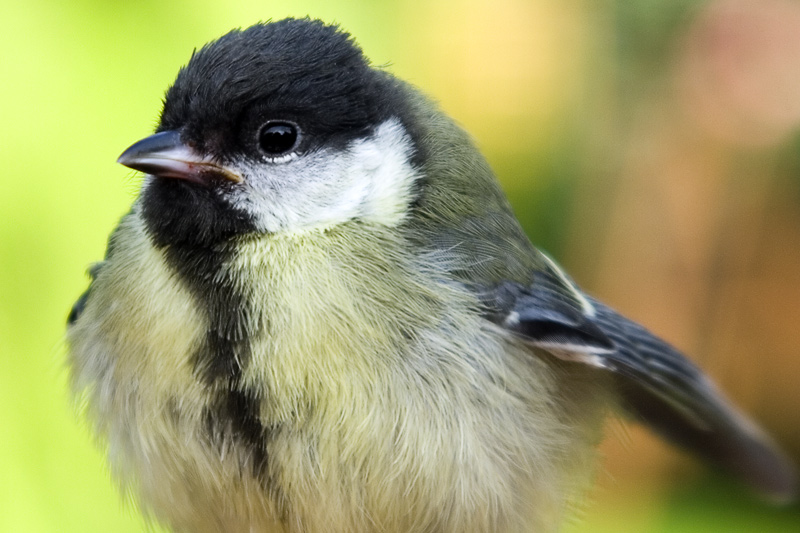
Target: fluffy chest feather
{"type": "Point", "coordinates": [363, 392]}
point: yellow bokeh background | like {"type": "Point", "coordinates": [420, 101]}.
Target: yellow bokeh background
{"type": "Point", "coordinates": [650, 145]}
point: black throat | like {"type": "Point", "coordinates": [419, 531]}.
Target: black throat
{"type": "Point", "coordinates": [197, 231]}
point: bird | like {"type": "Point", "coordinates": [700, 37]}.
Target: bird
{"type": "Point", "coordinates": [321, 315]}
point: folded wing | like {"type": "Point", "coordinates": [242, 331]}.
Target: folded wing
{"type": "Point", "coordinates": [657, 385]}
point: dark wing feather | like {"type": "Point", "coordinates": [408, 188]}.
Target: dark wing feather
{"type": "Point", "coordinates": [657, 385]}
{"type": "Point", "coordinates": [549, 312]}
{"type": "Point", "coordinates": [80, 304]}
{"type": "Point", "coordinates": [665, 391]}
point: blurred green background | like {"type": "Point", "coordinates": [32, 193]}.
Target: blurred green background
{"type": "Point", "coordinates": [650, 145]}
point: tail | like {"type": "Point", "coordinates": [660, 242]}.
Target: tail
{"type": "Point", "coordinates": [662, 389]}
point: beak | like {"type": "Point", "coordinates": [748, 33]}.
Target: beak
{"type": "Point", "coordinates": [164, 155]}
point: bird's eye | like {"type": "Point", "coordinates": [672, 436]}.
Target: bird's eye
{"type": "Point", "coordinates": [277, 138]}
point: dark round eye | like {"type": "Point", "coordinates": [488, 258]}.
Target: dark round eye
{"type": "Point", "coordinates": [276, 138]}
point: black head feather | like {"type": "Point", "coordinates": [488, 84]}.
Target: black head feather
{"type": "Point", "coordinates": [294, 69]}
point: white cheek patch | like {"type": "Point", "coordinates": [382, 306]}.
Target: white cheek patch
{"type": "Point", "coordinates": [383, 164]}
{"type": "Point", "coordinates": [370, 180]}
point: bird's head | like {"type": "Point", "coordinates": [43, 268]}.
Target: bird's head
{"type": "Point", "coordinates": [282, 127]}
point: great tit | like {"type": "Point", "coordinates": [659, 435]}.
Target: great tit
{"type": "Point", "coordinates": [321, 315]}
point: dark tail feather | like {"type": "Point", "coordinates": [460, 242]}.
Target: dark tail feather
{"type": "Point", "coordinates": [725, 439]}
{"type": "Point", "coordinates": [667, 392]}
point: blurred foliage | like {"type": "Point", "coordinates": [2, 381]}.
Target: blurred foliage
{"type": "Point", "coordinates": [716, 505]}
{"type": "Point", "coordinates": [650, 145]}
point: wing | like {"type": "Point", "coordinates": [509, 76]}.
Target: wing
{"type": "Point", "coordinates": [657, 385]}
{"type": "Point", "coordinates": [78, 306]}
